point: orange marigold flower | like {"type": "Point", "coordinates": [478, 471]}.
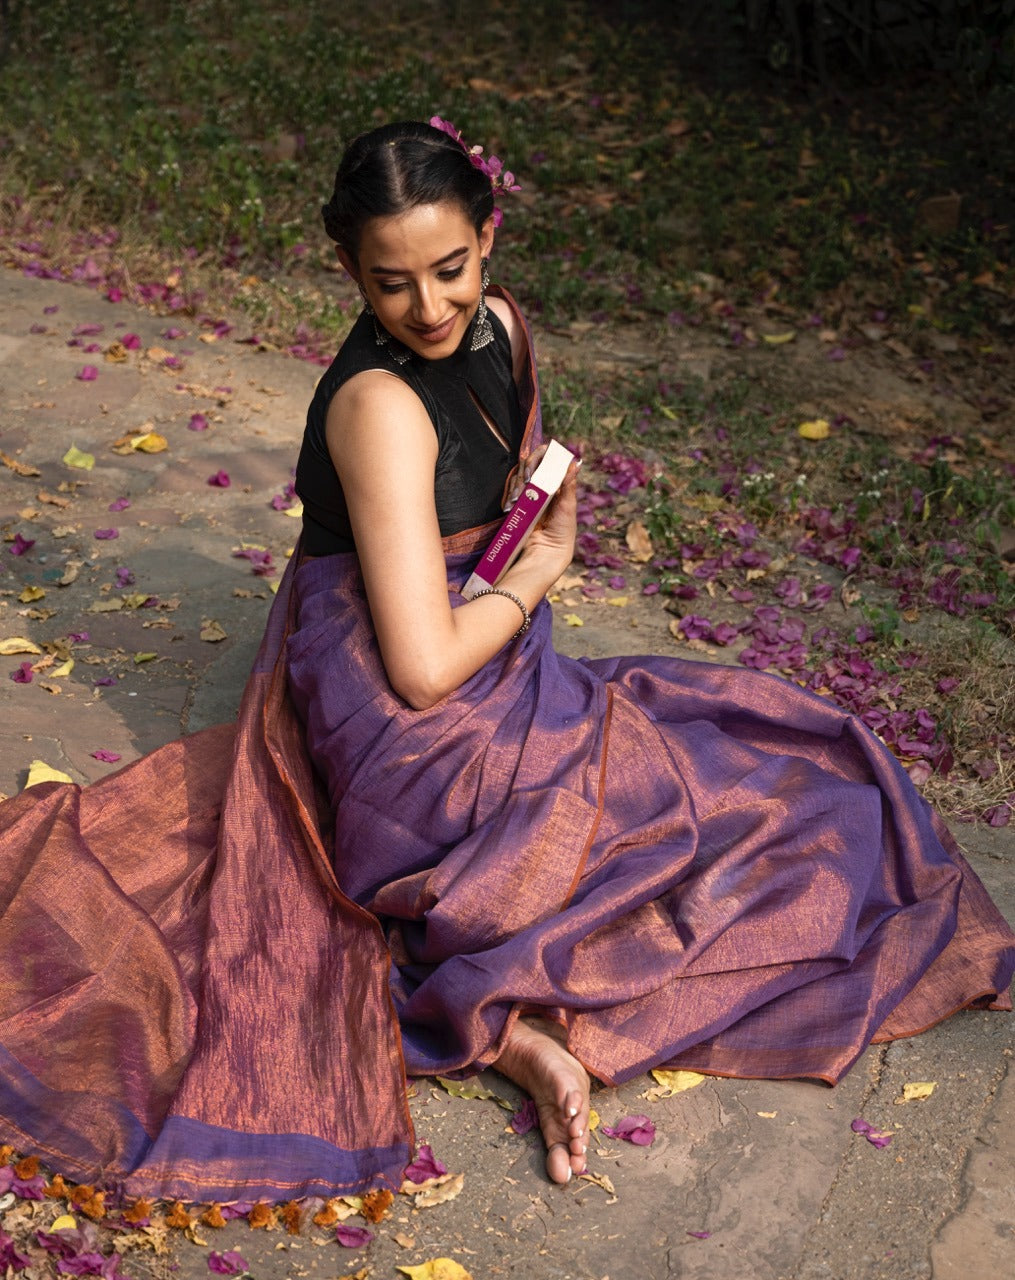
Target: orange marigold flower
{"type": "Point", "coordinates": [58, 1189]}
{"type": "Point", "coordinates": [27, 1168]}
{"type": "Point", "coordinates": [6, 1153]}
{"type": "Point", "coordinates": [138, 1211]}
{"type": "Point", "coordinates": [212, 1216]}
{"type": "Point", "coordinates": [262, 1215]}
{"type": "Point", "coordinates": [376, 1204]}
{"type": "Point", "coordinates": [78, 1195]}
{"type": "Point", "coordinates": [326, 1217]}
{"type": "Point", "coordinates": [95, 1206]}
{"type": "Point", "coordinates": [292, 1216]}
{"type": "Point", "coordinates": [178, 1216]}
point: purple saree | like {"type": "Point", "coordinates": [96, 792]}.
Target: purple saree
{"type": "Point", "coordinates": [220, 962]}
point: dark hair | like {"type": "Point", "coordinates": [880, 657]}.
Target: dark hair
{"type": "Point", "coordinates": [397, 167]}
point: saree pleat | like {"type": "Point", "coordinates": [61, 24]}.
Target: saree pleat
{"type": "Point", "coordinates": [684, 864]}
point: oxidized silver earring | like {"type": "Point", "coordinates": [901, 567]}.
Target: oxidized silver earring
{"type": "Point", "coordinates": [482, 333]}
{"type": "Point", "coordinates": [396, 351]}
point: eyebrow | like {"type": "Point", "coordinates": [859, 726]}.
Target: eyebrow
{"type": "Point", "coordinates": [401, 271]}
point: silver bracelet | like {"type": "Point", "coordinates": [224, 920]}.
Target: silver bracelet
{"type": "Point", "coordinates": [509, 595]}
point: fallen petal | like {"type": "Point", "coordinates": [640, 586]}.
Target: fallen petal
{"type": "Point", "coordinates": [352, 1237]}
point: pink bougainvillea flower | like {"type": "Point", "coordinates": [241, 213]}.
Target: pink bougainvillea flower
{"type": "Point", "coordinates": [174, 332]}
{"type": "Point", "coordinates": [104, 681]}
{"type": "Point", "coordinates": [114, 295]}
{"type": "Point", "coordinates": [220, 480]}
{"type": "Point", "coordinates": [124, 576]}
{"type": "Point", "coordinates": [20, 545]}
{"type": "Point", "coordinates": [131, 341]}
{"type": "Point", "coordinates": [239, 1209]}
{"type": "Point", "coordinates": [50, 311]}
{"type": "Point", "coordinates": [198, 422]}
{"type": "Point", "coordinates": [10, 1258]}
{"type": "Point", "coordinates": [650, 589]}
{"type": "Point", "coordinates": [78, 637]}
{"type": "Point", "coordinates": [876, 1137]}
{"type": "Point", "coordinates": [425, 1166]}
{"type": "Point", "coordinates": [526, 1118]}
{"type": "Point", "coordinates": [23, 675]}
{"type": "Point", "coordinates": [352, 1237]}
{"type": "Point", "coordinates": [172, 362]}
{"type": "Point", "coordinates": [999, 815]}
{"type": "Point", "coordinates": [106, 535]}
{"type": "Point", "coordinates": [88, 373]}
{"type": "Point", "coordinates": [87, 330]}
{"type": "Point", "coordinates": [260, 560]}
{"type": "Point", "coordinates": [26, 1188]}
{"type": "Point", "coordinates": [700, 1235]}
{"type": "Point", "coordinates": [121, 504]}
{"type": "Point", "coordinates": [107, 757]}
{"type": "Point", "coordinates": [229, 1263]}
{"type": "Point", "coordinates": [637, 1129]}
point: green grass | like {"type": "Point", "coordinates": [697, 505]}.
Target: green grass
{"type": "Point", "coordinates": [215, 126]}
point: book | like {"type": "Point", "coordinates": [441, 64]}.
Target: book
{"type": "Point", "coordinates": [520, 521]}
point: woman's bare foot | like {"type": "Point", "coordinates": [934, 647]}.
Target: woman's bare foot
{"type": "Point", "coordinates": [558, 1084]}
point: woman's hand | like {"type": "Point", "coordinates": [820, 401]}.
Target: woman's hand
{"type": "Point", "coordinates": [522, 475]}
{"type": "Point", "coordinates": [550, 547]}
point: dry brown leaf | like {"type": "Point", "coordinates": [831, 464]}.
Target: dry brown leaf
{"type": "Point", "coordinates": [638, 542]}
{"type": "Point", "coordinates": [19, 468]}
{"type": "Point", "coordinates": [448, 1188]}
{"type": "Point", "coordinates": [52, 498]}
{"type": "Point", "coordinates": [599, 1180]}
{"type": "Point", "coordinates": [212, 631]}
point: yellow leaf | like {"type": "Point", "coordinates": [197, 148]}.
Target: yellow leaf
{"type": "Point", "coordinates": [436, 1269]}
{"type": "Point", "coordinates": [40, 771]}
{"type": "Point", "coordinates": [618, 601]}
{"type": "Point", "coordinates": [767, 1115]}
{"type": "Point", "coordinates": [64, 669]}
{"type": "Point", "coordinates": [144, 657]}
{"type": "Point", "coordinates": [74, 457]}
{"type": "Point", "coordinates": [66, 1222]}
{"type": "Point", "coordinates": [113, 605]}
{"type": "Point", "coordinates": [777, 339]}
{"type": "Point", "coordinates": [151, 442]}
{"type": "Point", "coordinates": [31, 593]}
{"type": "Point", "coordinates": [917, 1090]}
{"type": "Point", "coordinates": [572, 620]}
{"type": "Point", "coordinates": [676, 1081]}
{"type": "Point", "coordinates": [816, 429]}
{"type": "Point", "coordinates": [472, 1089]}
{"type": "Point", "coordinates": [593, 1119]}
{"type": "Point", "coordinates": [17, 644]}
{"type": "Point", "coordinates": [296, 510]}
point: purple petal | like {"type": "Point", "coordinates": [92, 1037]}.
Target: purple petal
{"type": "Point", "coordinates": [124, 576]}
{"type": "Point", "coordinates": [220, 480]}
{"type": "Point", "coordinates": [88, 373]}
{"type": "Point", "coordinates": [637, 1129]}
{"type": "Point", "coordinates": [121, 504]}
{"type": "Point", "coordinates": [526, 1118]}
{"type": "Point", "coordinates": [425, 1166]}
{"type": "Point", "coordinates": [104, 681]}
{"type": "Point", "coordinates": [23, 675]}
{"type": "Point", "coordinates": [106, 535]}
{"type": "Point", "coordinates": [198, 422]}
{"type": "Point", "coordinates": [131, 341]}
{"type": "Point", "coordinates": [229, 1263]}
{"type": "Point", "coordinates": [700, 1235]}
{"type": "Point", "coordinates": [79, 637]}
{"type": "Point", "coordinates": [107, 757]}
{"type": "Point", "coordinates": [20, 545]}
{"type": "Point", "coordinates": [352, 1237]}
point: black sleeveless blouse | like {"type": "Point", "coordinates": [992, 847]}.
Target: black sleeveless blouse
{"type": "Point", "coordinates": [472, 464]}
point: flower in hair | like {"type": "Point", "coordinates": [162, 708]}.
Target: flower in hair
{"type": "Point", "coordinates": [501, 179]}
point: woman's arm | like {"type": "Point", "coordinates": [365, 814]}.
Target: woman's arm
{"type": "Point", "coordinates": [385, 451]}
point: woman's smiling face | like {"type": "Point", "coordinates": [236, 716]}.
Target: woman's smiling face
{"type": "Point", "coordinates": [421, 272]}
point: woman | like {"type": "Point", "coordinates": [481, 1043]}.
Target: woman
{"type": "Point", "coordinates": [648, 861]}
{"type": "Point", "coordinates": [433, 845]}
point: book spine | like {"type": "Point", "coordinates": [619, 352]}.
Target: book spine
{"type": "Point", "coordinates": [510, 539]}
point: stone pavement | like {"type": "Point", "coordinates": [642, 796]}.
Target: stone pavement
{"type": "Point", "coordinates": [754, 1179]}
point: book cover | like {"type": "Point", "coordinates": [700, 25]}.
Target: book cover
{"type": "Point", "coordinates": [521, 519]}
